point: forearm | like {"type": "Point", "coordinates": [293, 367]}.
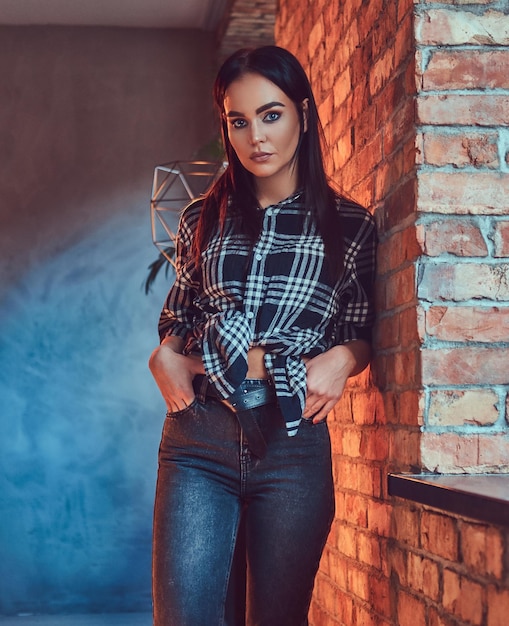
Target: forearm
{"type": "Point", "coordinates": [328, 372]}
{"type": "Point", "coordinates": [355, 354]}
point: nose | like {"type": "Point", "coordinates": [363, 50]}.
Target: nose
{"type": "Point", "coordinates": [257, 132]}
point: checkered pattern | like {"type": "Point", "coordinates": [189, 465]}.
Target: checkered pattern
{"type": "Point", "coordinates": [277, 295]}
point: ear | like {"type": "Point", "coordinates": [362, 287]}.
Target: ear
{"type": "Point", "coordinates": [305, 111]}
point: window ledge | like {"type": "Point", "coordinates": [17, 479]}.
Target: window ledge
{"type": "Point", "coordinates": [482, 497]}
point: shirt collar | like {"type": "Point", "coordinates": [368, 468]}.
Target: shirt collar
{"type": "Point", "coordinates": [294, 196]}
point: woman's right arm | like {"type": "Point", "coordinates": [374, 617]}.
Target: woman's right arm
{"type": "Point", "coordinates": [174, 373]}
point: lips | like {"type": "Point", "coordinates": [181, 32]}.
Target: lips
{"type": "Point", "coordinates": [260, 157]}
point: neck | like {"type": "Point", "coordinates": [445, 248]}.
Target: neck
{"type": "Point", "coordinates": [273, 190]}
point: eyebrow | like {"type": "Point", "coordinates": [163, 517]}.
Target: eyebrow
{"type": "Point", "coordinates": [259, 110]}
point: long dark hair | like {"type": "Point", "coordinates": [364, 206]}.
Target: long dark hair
{"type": "Point", "coordinates": [235, 189]}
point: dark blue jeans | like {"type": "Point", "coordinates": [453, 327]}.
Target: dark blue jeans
{"type": "Point", "coordinates": [209, 485]}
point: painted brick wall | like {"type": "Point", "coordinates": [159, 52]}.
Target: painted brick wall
{"type": "Point", "coordinates": [462, 76]}
{"type": "Point", "coordinates": [414, 97]}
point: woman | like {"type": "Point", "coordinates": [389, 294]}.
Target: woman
{"type": "Point", "coordinates": [269, 315]}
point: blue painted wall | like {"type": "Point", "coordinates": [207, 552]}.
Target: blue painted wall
{"type": "Point", "coordinates": [90, 112]}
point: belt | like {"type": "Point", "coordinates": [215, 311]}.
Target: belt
{"type": "Point", "coordinates": [242, 402]}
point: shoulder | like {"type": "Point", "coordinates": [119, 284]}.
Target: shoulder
{"type": "Point", "coordinates": [350, 210]}
{"type": "Point", "coordinates": [190, 216]}
{"type": "Point", "coordinates": [191, 212]}
{"type": "Point", "coordinates": [188, 222]}
{"type": "Point", "coordinates": [356, 221]}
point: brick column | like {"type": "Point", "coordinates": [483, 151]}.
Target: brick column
{"type": "Point", "coordinates": [415, 105]}
{"type": "Point", "coordinates": [414, 97]}
{"type": "Point", "coordinates": [462, 74]}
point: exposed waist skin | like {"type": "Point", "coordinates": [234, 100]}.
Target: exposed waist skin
{"type": "Point", "coordinates": [255, 365]}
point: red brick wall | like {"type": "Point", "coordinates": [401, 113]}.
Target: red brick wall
{"type": "Point", "coordinates": [445, 571]}
{"type": "Point", "coordinates": [247, 23]}
{"type": "Point", "coordinates": [414, 97]}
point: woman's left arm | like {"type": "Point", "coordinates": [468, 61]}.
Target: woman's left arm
{"type": "Point", "coordinates": [327, 374]}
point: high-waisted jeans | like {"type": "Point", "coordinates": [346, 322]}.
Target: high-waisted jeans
{"type": "Point", "coordinates": [228, 525]}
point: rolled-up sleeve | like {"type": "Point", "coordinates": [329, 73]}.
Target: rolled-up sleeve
{"type": "Point", "coordinates": [356, 300]}
{"type": "Point", "coordinates": [179, 314]}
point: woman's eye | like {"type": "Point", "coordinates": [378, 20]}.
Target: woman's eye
{"type": "Point", "coordinates": [272, 116]}
{"type": "Point", "coordinates": [238, 123]}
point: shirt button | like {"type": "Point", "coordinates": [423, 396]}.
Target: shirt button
{"type": "Point", "coordinates": [268, 212]}
{"type": "Point", "coordinates": [250, 315]}
{"type": "Point", "coordinates": [258, 257]}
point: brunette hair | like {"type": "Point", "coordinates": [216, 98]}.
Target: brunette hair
{"type": "Point", "coordinates": [235, 189]}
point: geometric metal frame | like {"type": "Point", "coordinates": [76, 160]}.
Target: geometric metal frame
{"type": "Point", "coordinates": [174, 185]}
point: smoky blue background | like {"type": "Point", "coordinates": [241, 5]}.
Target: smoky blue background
{"type": "Point", "coordinates": [88, 114]}
{"type": "Point", "coordinates": [79, 428]}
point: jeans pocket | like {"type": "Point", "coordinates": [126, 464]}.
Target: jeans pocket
{"type": "Point", "coordinates": [190, 408]}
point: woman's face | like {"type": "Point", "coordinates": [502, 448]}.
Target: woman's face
{"type": "Point", "coordinates": [263, 129]}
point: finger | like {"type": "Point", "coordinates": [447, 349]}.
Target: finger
{"type": "Point", "coordinates": [315, 402]}
{"type": "Point", "coordinates": [180, 405]}
{"type": "Point", "coordinates": [322, 414]}
{"type": "Point", "coordinates": [172, 405]}
{"type": "Point", "coordinates": [312, 406]}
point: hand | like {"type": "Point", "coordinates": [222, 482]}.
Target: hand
{"type": "Point", "coordinates": [327, 374]}
{"type": "Point", "coordinates": [174, 373]}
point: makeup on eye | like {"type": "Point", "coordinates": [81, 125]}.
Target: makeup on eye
{"type": "Point", "coordinates": [270, 118]}
{"type": "Point", "coordinates": [238, 120]}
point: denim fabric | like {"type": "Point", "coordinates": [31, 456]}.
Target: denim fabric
{"type": "Point", "coordinates": [208, 482]}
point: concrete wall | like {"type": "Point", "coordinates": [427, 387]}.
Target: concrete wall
{"type": "Point", "coordinates": [86, 114]}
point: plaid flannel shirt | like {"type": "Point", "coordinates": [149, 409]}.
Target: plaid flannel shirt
{"type": "Point", "coordinates": [277, 294]}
